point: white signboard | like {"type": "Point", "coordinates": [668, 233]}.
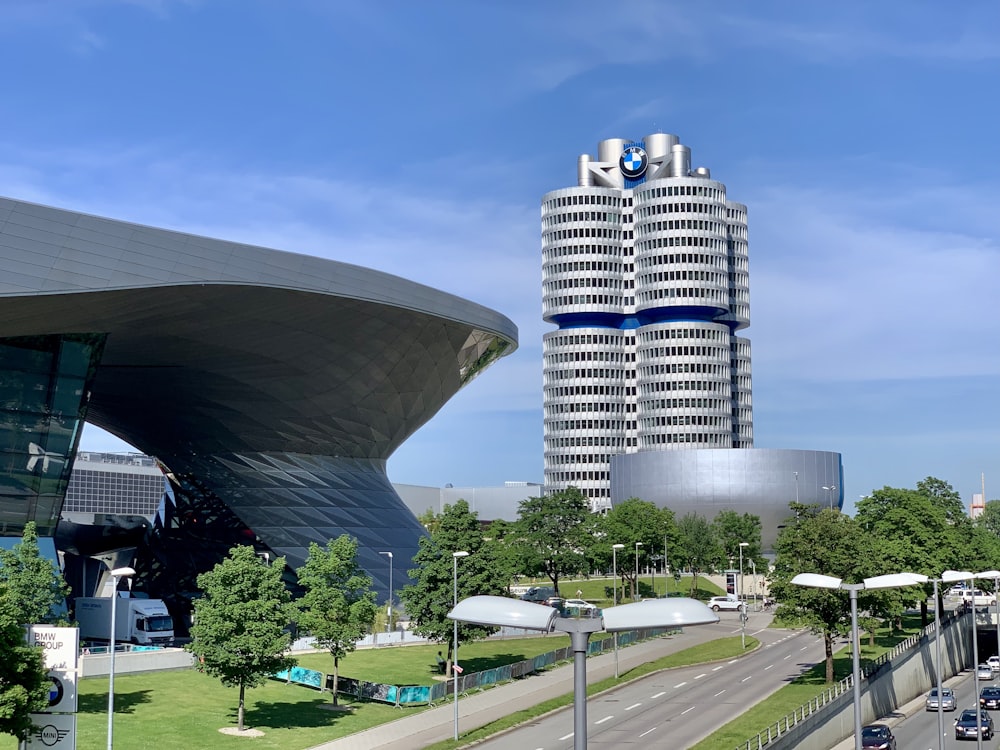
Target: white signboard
{"type": "Point", "coordinates": [61, 649]}
{"type": "Point", "coordinates": [52, 730]}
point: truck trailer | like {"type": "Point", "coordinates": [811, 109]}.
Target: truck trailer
{"type": "Point", "coordinates": [143, 621]}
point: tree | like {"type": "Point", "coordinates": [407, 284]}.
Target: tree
{"type": "Point", "coordinates": [24, 680]}
{"type": "Point", "coordinates": [630, 522]}
{"type": "Point", "coordinates": [699, 546]}
{"type": "Point", "coordinates": [820, 541]}
{"type": "Point", "coordinates": [554, 528]}
{"type": "Point", "coordinates": [338, 606]}
{"type": "Point", "coordinates": [239, 630]}
{"type": "Point", "coordinates": [34, 584]}
{"type": "Point", "coordinates": [429, 599]}
{"type": "Point", "coordinates": [990, 519]}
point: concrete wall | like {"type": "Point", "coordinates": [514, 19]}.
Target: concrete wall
{"type": "Point", "coordinates": [96, 665]}
{"type": "Point", "coordinates": [908, 676]}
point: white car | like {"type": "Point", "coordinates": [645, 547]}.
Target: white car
{"type": "Point", "coordinates": [994, 662]}
{"type": "Point", "coordinates": [730, 603]}
{"type": "Point", "coordinates": [585, 608]}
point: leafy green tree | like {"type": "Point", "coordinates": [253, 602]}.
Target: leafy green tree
{"type": "Point", "coordinates": [430, 520]}
{"type": "Point", "coordinates": [239, 630]}
{"type": "Point", "coordinates": [990, 519]}
{"type": "Point", "coordinates": [429, 599]}
{"type": "Point", "coordinates": [554, 530]}
{"type": "Point", "coordinates": [507, 550]}
{"type": "Point", "coordinates": [35, 586]}
{"type": "Point", "coordinates": [24, 681]}
{"type": "Point", "coordinates": [629, 522]}
{"type": "Point", "coordinates": [820, 541]}
{"type": "Point", "coordinates": [699, 547]}
{"type": "Point", "coordinates": [338, 606]}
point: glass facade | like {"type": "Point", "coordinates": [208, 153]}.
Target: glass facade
{"type": "Point", "coordinates": [44, 390]}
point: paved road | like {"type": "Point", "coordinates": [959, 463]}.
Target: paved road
{"type": "Point", "coordinates": [677, 706]}
{"type": "Point", "coordinates": [427, 727]}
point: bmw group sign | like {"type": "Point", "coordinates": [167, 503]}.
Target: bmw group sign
{"type": "Point", "coordinates": [57, 726]}
{"type": "Point", "coordinates": [633, 162]}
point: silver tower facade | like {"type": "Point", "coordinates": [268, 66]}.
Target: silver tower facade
{"type": "Point", "coordinates": [645, 274]}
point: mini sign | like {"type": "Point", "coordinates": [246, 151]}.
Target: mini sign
{"type": "Point", "coordinates": [52, 730]}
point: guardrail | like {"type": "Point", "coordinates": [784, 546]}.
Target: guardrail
{"type": "Point", "coordinates": [868, 668]}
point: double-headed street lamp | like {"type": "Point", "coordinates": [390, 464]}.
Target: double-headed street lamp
{"type": "Point", "coordinates": [892, 580]}
{"type": "Point", "coordinates": [388, 609]}
{"type": "Point", "coordinates": [454, 646]}
{"type": "Point", "coordinates": [500, 611]}
{"type": "Point", "coordinates": [829, 491]}
{"type": "Point", "coordinates": [116, 575]}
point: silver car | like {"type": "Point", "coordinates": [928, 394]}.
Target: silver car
{"type": "Point", "coordinates": [947, 700]}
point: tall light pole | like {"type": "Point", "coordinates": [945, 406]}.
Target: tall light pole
{"type": "Point", "coordinates": [829, 492]}
{"type": "Point", "coordinates": [388, 609]}
{"type": "Point", "coordinates": [454, 647]}
{"type": "Point", "coordinates": [635, 594]}
{"type": "Point", "coordinates": [116, 575]}
{"type": "Point", "coordinates": [892, 580]}
{"type": "Point", "coordinates": [503, 611]}
{"type": "Point", "coordinates": [796, 486]}
{"type": "Point", "coordinates": [740, 598]}
{"type": "Point", "coordinates": [614, 578]}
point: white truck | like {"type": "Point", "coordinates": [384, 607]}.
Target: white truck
{"type": "Point", "coordinates": [976, 598]}
{"type": "Point", "coordinates": [143, 621]}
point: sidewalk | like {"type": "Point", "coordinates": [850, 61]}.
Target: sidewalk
{"type": "Point", "coordinates": [481, 708]}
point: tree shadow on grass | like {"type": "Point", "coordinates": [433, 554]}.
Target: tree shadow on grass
{"type": "Point", "coordinates": [125, 702]}
{"type": "Point", "coordinates": [288, 715]}
{"type": "Point", "coordinates": [482, 663]}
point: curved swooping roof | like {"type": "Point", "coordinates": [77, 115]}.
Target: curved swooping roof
{"type": "Point", "coordinates": [276, 383]}
{"type": "Point", "coordinates": [216, 346]}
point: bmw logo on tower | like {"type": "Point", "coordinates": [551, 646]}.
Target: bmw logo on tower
{"type": "Point", "coordinates": [633, 162]}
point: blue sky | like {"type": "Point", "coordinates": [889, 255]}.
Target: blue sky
{"type": "Point", "coordinates": [418, 138]}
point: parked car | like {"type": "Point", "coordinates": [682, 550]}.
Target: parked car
{"type": "Point", "coordinates": [984, 672]}
{"type": "Point", "coordinates": [994, 662]}
{"type": "Point", "coordinates": [977, 598]}
{"type": "Point", "coordinates": [989, 697]}
{"type": "Point", "coordinates": [965, 725]}
{"type": "Point", "coordinates": [538, 594]}
{"type": "Point", "coordinates": [725, 602]}
{"type": "Point", "coordinates": [555, 601]}
{"type": "Point", "coordinates": [878, 736]}
{"type": "Point", "coordinates": [586, 609]}
{"type": "Point", "coordinates": [947, 700]}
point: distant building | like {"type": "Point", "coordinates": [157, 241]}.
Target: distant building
{"type": "Point", "coordinates": [490, 503]}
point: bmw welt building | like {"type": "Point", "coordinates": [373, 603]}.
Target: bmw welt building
{"type": "Point", "coordinates": [270, 386]}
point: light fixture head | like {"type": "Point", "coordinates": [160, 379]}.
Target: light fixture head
{"type": "Point", "coordinates": [617, 546]}
{"type": "Point", "coordinates": [744, 544]}
{"type": "Point", "coordinates": [501, 611]}
{"type": "Point", "coordinates": [658, 613]}
{"type": "Point", "coordinates": [461, 553]}
{"type": "Point", "coordinates": [123, 572]}
{"type": "Point", "coordinates": [817, 581]}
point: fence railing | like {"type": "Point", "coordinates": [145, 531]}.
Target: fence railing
{"type": "Point", "coordinates": [869, 668]}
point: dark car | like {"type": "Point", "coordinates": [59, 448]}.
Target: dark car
{"type": "Point", "coordinates": [538, 594]}
{"type": "Point", "coordinates": [878, 736]}
{"type": "Point", "coordinates": [965, 725]}
{"type": "Point", "coordinates": [989, 697]}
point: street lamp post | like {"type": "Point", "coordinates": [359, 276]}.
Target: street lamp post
{"type": "Point", "coordinates": [635, 593]}
{"type": "Point", "coordinates": [829, 492]}
{"type": "Point", "coordinates": [739, 597]}
{"type": "Point", "coordinates": [388, 609]}
{"type": "Point", "coordinates": [502, 611]}
{"type": "Point", "coordinates": [614, 564]}
{"type": "Point", "coordinates": [892, 580]}
{"type": "Point", "coordinates": [454, 647]}
{"type": "Point", "coordinates": [796, 487]}
{"type": "Point", "coordinates": [116, 575]}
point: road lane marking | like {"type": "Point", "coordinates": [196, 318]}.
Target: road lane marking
{"type": "Point", "coordinates": [768, 667]}
{"type": "Point", "coordinates": [787, 657]}
{"type": "Point", "coordinates": [718, 693]}
{"type": "Point", "coordinates": [634, 705]}
{"type": "Point", "coordinates": [688, 709]}
{"type": "Point", "coordinates": [647, 732]}
{"type": "Point", "coordinates": [565, 737]}
{"type": "Point", "coordinates": [680, 685]}
{"type": "Point", "coordinates": [716, 669]}
{"type": "Point", "coordinates": [703, 674]}
{"type": "Point", "coordinates": [746, 678]}
{"type": "Point", "coordinates": [657, 695]}
{"type": "Point", "coordinates": [606, 718]}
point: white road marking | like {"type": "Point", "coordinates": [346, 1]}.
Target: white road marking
{"type": "Point", "coordinates": [680, 684]}
{"type": "Point", "coordinates": [606, 718]}
{"type": "Point", "coordinates": [657, 695]}
{"type": "Point", "coordinates": [703, 674]}
{"type": "Point", "coordinates": [718, 693]}
{"type": "Point", "coordinates": [647, 732]}
{"type": "Point", "coordinates": [716, 669]}
{"type": "Point", "coordinates": [746, 678]}
{"type": "Point", "coordinates": [688, 709]}
{"type": "Point", "coordinates": [768, 667]}
{"type": "Point", "coordinates": [634, 705]}
{"type": "Point", "coordinates": [787, 657]}
{"type": "Point", "coordinates": [803, 648]}
{"type": "Point", "coordinates": [565, 737]}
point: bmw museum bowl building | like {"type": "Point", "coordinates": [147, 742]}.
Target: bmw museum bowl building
{"type": "Point", "coordinates": [271, 387]}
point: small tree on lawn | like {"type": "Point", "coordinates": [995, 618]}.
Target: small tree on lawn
{"type": "Point", "coordinates": [339, 605]}
{"type": "Point", "coordinates": [34, 584]}
{"type": "Point", "coordinates": [239, 624]}
{"type": "Point", "coordinates": [24, 681]}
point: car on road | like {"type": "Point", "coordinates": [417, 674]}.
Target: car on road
{"type": "Point", "coordinates": [878, 736]}
{"type": "Point", "coordinates": [984, 672]}
{"type": "Point", "coordinates": [989, 697]}
{"type": "Point", "coordinates": [947, 700]}
{"type": "Point", "coordinates": [585, 608]}
{"type": "Point", "coordinates": [965, 725]}
{"type": "Point", "coordinates": [994, 662]}
{"type": "Point", "coordinates": [555, 601]}
{"type": "Point", "coordinates": [977, 598]}
{"type": "Point", "coordinates": [538, 594]}
{"type": "Point", "coordinates": [730, 603]}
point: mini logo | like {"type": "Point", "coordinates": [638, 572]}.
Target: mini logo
{"type": "Point", "coordinates": [50, 735]}
{"type": "Point", "coordinates": [633, 162]}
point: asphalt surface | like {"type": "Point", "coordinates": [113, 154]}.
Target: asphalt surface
{"type": "Point", "coordinates": [478, 709]}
